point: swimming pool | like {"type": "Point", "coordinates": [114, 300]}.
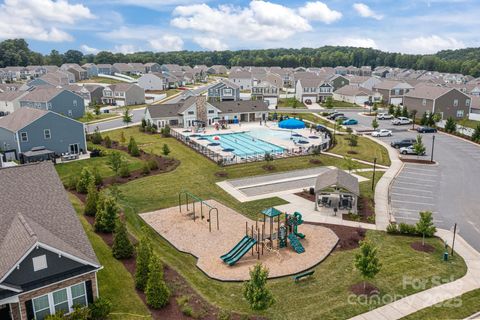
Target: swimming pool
{"type": "Point", "coordinates": [243, 144]}
{"type": "Point", "coordinates": [285, 135]}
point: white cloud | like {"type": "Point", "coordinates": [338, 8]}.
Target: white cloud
{"type": "Point", "coordinates": [167, 43]}
{"type": "Point", "coordinates": [125, 48]}
{"type": "Point", "coordinates": [355, 42]}
{"type": "Point", "coordinates": [40, 19]}
{"type": "Point", "coordinates": [364, 11]}
{"type": "Point", "coordinates": [431, 44]}
{"type": "Point", "coordinates": [260, 21]}
{"type": "Point", "coordinates": [87, 49]}
{"type": "Point", "coordinates": [319, 11]}
{"type": "Point", "coordinates": [210, 43]}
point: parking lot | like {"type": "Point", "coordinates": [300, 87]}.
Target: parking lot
{"type": "Point", "coordinates": [449, 189]}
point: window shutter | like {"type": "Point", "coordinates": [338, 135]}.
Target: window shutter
{"type": "Point", "coordinates": [88, 286]}
{"type": "Point", "coordinates": [29, 309]}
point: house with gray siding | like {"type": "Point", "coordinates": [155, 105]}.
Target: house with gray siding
{"type": "Point", "coordinates": [224, 90]}
{"type": "Point", "coordinates": [152, 67]}
{"type": "Point", "coordinates": [27, 129]}
{"type": "Point", "coordinates": [316, 89]}
{"type": "Point", "coordinates": [123, 68]}
{"type": "Point", "coordinates": [243, 79]}
{"type": "Point", "coordinates": [91, 93]}
{"type": "Point", "coordinates": [55, 99]}
{"type": "Point", "coordinates": [10, 100]}
{"type": "Point", "coordinates": [152, 81]}
{"type": "Point", "coordinates": [47, 262]}
{"type": "Point", "coordinates": [104, 68]}
{"type": "Point", "coordinates": [56, 78]}
{"type": "Point", "coordinates": [123, 94]}
{"type": "Point", "coordinates": [91, 68]}
{"type": "Point", "coordinates": [392, 91]}
{"type": "Point", "coordinates": [265, 91]}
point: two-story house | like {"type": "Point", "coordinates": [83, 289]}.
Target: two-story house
{"type": "Point", "coordinates": [91, 93]}
{"type": "Point", "coordinates": [104, 68]}
{"type": "Point", "coordinates": [123, 68]}
{"type": "Point", "coordinates": [26, 129]}
{"type": "Point", "coordinates": [267, 92]}
{"type": "Point", "coordinates": [243, 79]}
{"type": "Point", "coordinates": [392, 91]}
{"type": "Point", "coordinates": [91, 68]}
{"type": "Point", "coordinates": [224, 90]}
{"type": "Point", "coordinates": [54, 99]}
{"type": "Point", "coordinates": [123, 94]}
{"type": "Point", "coordinates": [10, 100]}
{"type": "Point", "coordinates": [315, 89]}
{"type": "Point", "coordinates": [152, 81]}
{"type": "Point", "coordinates": [152, 67]}
{"type": "Point", "coordinates": [47, 262]}
{"type": "Point", "coordinates": [78, 72]}
{"type": "Point", "coordinates": [356, 95]}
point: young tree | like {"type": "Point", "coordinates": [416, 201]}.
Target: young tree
{"type": "Point", "coordinates": [124, 171]}
{"type": "Point", "coordinates": [398, 112]}
{"type": "Point", "coordinates": [86, 177]}
{"type": "Point", "coordinates": [329, 103]}
{"type": "Point", "coordinates": [418, 146]}
{"type": "Point", "coordinates": [133, 148]}
{"type": "Point", "coordinates": [405, 112]}
{"type": "Point", "coordinates": [144, 253]}
{"type": "Point", "coordinates": [96, 109]}
{"type": "Point", "coordinates": [424, 119]}
{"type": "Point", "coordinates": [255, 290]}
{"type": "Point", "coordinates": [92, 199]}
{"type": "Point", "coordinates": [375, 124]}
{"type": "Point", "coordinates": [108, 142]}
{"type": "Point", "coordinates": [122, 248]}
{"type": "Point", "coordinates": [107, 212]}
{"type": "Point", "coordinates": [350, 164]}
{"type": "Point", "coordinates": [375, 107]}
{"type": "Point", "coordinates": [450, 125]}
{"type": "Point", "coordinates": [366, 262]}
{"type": "Point", "coordinates": [122, 137]}
{"type": "Point", "coordinates": [165, 150]}
{"type": "Point", "coordinates": [391, 109]}
{"type": "Point", "coordinates": [413, 115]}
{"type": "Point", "coordinates": [425, 225]}
{"type": "Point", "coordinates": [156, 292]}
{"type": "Point", "coordinates": [115, 161]}
{"type": "Point", "coordinates": [97, 137]}
{"type": "Point", "coordinates": [166, 131]}
{"type": "Point", "coordinates": [127, 117]}
{"type": "Point", "coordinates": [89, 116]}
{"type": "Point", "coordinates": [476, 134]}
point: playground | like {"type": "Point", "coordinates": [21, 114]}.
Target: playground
{"type": "Point", "coordinates": [228, 244]}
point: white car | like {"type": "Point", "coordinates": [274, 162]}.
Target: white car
{"type": "Point", "coordinates": [410, 150]}
{"type": "Point", "coordinates": [401, 120]}
{"type": "Point", "coordinates": [382, 133]}
{"type": "Point", "coordinates": [384, 116]}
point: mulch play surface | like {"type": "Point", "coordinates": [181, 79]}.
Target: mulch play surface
{"type": "Point", "coordinates": [423, 248]}
{"type": "Point", "coordinates": [349, 237]}
{"type": "Point", "coordinates": [362, 288]}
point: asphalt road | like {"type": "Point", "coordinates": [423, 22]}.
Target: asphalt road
{"type": "Point", "coordinates": [137, 115]}
{"type": "Point", "coordinates": [448, 189]}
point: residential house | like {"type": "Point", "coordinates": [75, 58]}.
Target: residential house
{"type": "Point", "coordinates": [91, 93]}
{"type": "Point", "coordinates": [315, 89]}
{"type": "Point", "coordinates": [54, 99]}
{"type": "Point", "coordinates": [448, 102]}
{"type": "Point", "coordinates": [266, 91]}
{"type": "Point", "coordinates": [243, 79]}
{"type": "Point", "coordinates": [170, 67]}
{"type": "Point", "coordinates": [138, 68]}
{"type": "Point", "coordinates": [392, 91]}
{"type": "Point", "coordinates": [474, 108]}
{"type": "Point", "coordinates": [54, 79]}
{"type": "Point", "coordinates": [123, 94]}
{"type": "Point", "coordinates": [92, 70]}
{"type": "Point", "coordinates": [225, 90]}
{"type": "Point", "coordinates": [36, 71]}
{"type": "Point", "coordinates": [184, 77]}
{"type": "Point", "coordinates": [152, 67]}
{"type": "Point", "coordinates": [153, 81]}
{"type": "Point", "coordinates": [123, 68]}
{"type": "Point", "coordinates": [48, 264]}
{"type": "Point", "coordinates": [7, 87]}
{"type": "Point", "coordinates": [16, 73]}
{"type": "Point", "coordinates": [341, 70]}
{"type": "Point", "coordinates": [78, 72]}
{"type": "Point", "coordinates": [363, 81]}
{"type": "Point", "coordinates": [338, 81]}
{"type": "Point", "coordinates": [355, 95]}
{"type": "Point", "coordinates": [217, 69]}
{"type": "Point", "coordinates": [104, 68]}
{"type": "Point", "coordinates": [10, 100]}
{"type": "Point", "coordinates": [29, 129]}
{"type": "Point", "coordinates": [365, 71]}
{"type": "Point", "coordinates": [200, 73]}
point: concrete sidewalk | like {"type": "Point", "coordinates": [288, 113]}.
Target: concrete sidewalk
{"type": "Point", "coordinates": [430, 297]}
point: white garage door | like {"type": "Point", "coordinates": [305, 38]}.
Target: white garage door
{"type": "Point", "coordinates": [396, 101]}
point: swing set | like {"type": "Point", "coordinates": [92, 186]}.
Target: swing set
{"type": "Point", "coordinates": [194, 199]}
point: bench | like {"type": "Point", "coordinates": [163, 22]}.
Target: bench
{"type": "Point", "coordinates": [303, 275]}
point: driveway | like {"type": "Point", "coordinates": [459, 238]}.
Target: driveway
{"type": "Point", "coordinates": [448, 189]}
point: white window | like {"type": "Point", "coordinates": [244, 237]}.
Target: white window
{"type": "Point", "coordinates": [459, 113]}
{"type": "Point", "coordinates": [24, 136]}
{"type": "Point", "coordinates": [467, 102]}
{"type": "Point", "coordinates": [397, 92]}
{"type": "Point", "coordinates": [41, 307]}
{"type": "Point", "coordinates": [39, 263]}
{"type": "Point", "coordinates": [211, 111]}
{"type": "Point", "coordinates": [79, 296]}
{"type": "Point", "coordinates": [60, 300]}
{"type": "Point", "coordinates": [49, 106]}
{"type": "Point", "coordinates": [455, 103]}
{"type": "Point", "coordinates": [191, 112]}
{"type": "Point", "coordinates": [74, 103]}
{"type": "Point", "coordinates": [46, 134]}
{"type": "Point", "coordinates": [424, 102]}
{"type": "Point", "coordinates": [70, 113]}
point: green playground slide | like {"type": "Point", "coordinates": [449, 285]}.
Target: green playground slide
{"type": "Point", "coordinates": [295, 243]}
{"type": "Point", "coordinates": [235, 249]}
{"type": "Point", "coordinates": [251, 242]}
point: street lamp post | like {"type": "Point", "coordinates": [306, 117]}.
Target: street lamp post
{"type": "Point", "coordinates": [433, 148]}
{"type": "Point", "coordinates": [374, 166]}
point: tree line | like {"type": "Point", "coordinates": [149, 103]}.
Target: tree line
{"type": "Point", "coordinates": [15, 52]}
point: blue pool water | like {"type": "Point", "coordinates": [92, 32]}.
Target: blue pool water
{"type": "Point", "coordinates": [243, 144]}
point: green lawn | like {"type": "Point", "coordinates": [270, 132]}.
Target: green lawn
{"type": "Point", "coordinates": [456, 308]}
{"type": "Point", "coordinates": [290, 103]}
{"type": "Point", "coordinates": [101, 80]}
{"type": "Point", "coordinates": [114, 281]}
{"type": "Point", "coordinates": [342, 105]}
{"type": "Point", "coordinates": [366, 149]}
{"type": "Point", "coordinates": [326, 294]}
{"type": "Point", "coordinates": [94, 117]}
{"type": "Point", "coordinates": [65, 170]}
{"type": "Point", "coordinates": [469, 123]}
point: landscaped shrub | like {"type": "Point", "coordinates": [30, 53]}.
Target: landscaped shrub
{"type": "Point", "coordinates": [106, 216]}
{"type": "Point", "coordinates": [145, 168]}
{"type": "Point", "coordinates": [122, 248]}
{"type": "Point", "coordinates": [425, 225]}
{"type": "Point", "coordinates": [96, 137]}
{"type": "Point", "coordinates": [366, 262]}
{"type": "Point", "coordinates": [450, 125]}
{"type": "Point", "coordinates": [392, 228]}
{"type": "Point", "coordinates": [124, 171]}
{"type": "Point", "coordinates": [115, 161]}
{"type": "Point", "coordinates": [165, 150]}
{"type": "Point", "coordinates": [153, 164]}
{"type": "Point", "coordinates": [71, 183]}
{"type": "Point", "coordinates": [166, 131]}
{"type": "Point", "coordinates": [100, 309]}
{"type": "Point", "coordinates": [224, 315]}
{"type": "Point", "coordinates": [255, 290]}
{"type": "Point", "coordinates": [85, 177]}
{"type": "Point", "coordinates": [156, 292]}
{"type": "Point", "coordinates": [108, 142]}
{"type": "Point", "coordinates": [133, 148]}
{"type": "Point", "coordinates": [476, 134]}
{"type": "Point", "coordinates": [97, 178]}
{"type": "Point", "coordinates": [92, 199]}
{"type": "Point", "coordinates": [154, 129]}
{"type": "Point", "coordinates": [407, 229]}
{"type": "Point", "coordinates": [144, 253]}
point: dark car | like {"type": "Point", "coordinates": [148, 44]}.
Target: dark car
{"type": "Point", "coordinates": [403, 143]}
{"type": "Point", "coordinates": [321, 128]}
{"type": "Point", "coordinates": [426, 130]}
{"type": "Point", "coordinates": [336, 115]}
{"type": "Point", "coordinates": [308, 101]}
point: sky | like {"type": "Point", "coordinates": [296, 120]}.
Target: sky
{"type": "Point", "coordinates": [407, 26]}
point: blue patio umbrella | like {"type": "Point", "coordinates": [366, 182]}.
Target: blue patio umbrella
{"type": "Point", "coordinates": [291, 123]}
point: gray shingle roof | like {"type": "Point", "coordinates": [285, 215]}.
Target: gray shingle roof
{"type": "Point", "coordinates": [339, 178]}
{"type": "Point", "coordinates": [20, 118]}
{"type": "Point", "coordinates": [42, 94]}
{"type": "Point", "coordinates": [34, 208]}
{"type": "Point", "coordinates": [240, 106]}
{"type": "Point", "coordinates": [352, 90]}
{"type": "Point", "coordinates": [425, 91]}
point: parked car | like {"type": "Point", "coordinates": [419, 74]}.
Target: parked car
{"type": "Point", "coordinates": [382, 133]}
{"type": "Point", "coordinates": [341, 118]}
{"type": "Point", "coordinates": [308, 101]}
{"type": "Point", "coordinates": [402, 143]}
{"type": "Point", "coordinates": [321, 128]}
{"type": "Point", "coordinates": [334, 115]}
{"type": "Point", "coordinates": [423, 129]}
{"type": "Point", "coordinates": [349, 122]}
{"type": "Point", "coordinates": [401, 121]}
{"type": "Point", "coordinates": [410, 150]}
{"type": "Point", "coordinates": [384, 116]}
